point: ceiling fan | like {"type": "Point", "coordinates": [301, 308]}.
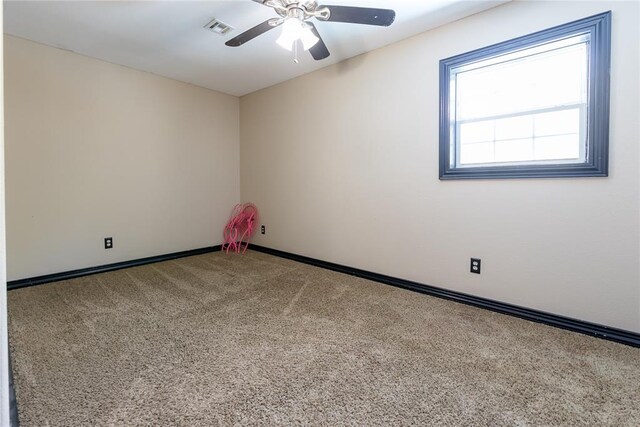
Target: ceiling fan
{"type": "Point", "coordinates": [297, 29]}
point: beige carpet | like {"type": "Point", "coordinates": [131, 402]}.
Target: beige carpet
{"type": "Point", "coordinates": [257, 340]}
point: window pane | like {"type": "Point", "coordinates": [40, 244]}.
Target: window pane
{"type": "Point", "coordinates": [476, 132]}
{"type": "Point", "coordinates": [481, 152]}
{"type": "Point", "coordinates": [512, 102]}
{"type": "Point", "coordinates": [557, 147]}
{"type": "Point", "coordinates": [557, 122]}
{"type": "Point", "coordinates": [514, 150]}
{"type": "Point", "coordinates": [544, 80]}
{"type": "Point", "coordinates": [514, 127]}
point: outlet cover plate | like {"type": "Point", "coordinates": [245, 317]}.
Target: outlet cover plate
{"type": "Point", "coordinates": [474, 266]}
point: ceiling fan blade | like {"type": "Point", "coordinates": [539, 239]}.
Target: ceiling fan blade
{"type": "Point", "coordinates": [360, 15]}
{"type": "Point", "coordinates": [319, 50]}
{"type": "Point", "coordinates": [251, 33]}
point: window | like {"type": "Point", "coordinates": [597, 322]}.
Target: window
{"type": "Point", "coordinates": [535, 106]}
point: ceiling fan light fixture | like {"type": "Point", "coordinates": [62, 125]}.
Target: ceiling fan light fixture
{"type": "Point", "coordinates": [308, 38]}
{"type": "Point", "coordinates": [294, 29]}
{"type": "Point", "coordinates": [295, 18]}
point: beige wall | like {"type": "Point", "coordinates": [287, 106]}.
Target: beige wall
{"type": "Point", "coordinates": [343, 164]}
{"type": "Point", "coordinates": [96, 150]}
{"type": "Point", "coordinates": [4, 339]}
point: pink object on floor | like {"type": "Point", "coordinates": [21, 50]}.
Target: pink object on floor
{"type": "Point", "coordinates": [240, 228]}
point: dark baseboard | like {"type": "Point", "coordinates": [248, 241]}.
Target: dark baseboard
{"type": "Point", "coordinates": [13, 403]}
{"type": "Point", "coordinates": [593, 329]}
{"type": "Point", "coordinates": [15, 284]}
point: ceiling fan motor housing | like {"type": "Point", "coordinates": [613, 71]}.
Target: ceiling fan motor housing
{"type": "Point", "coordinates": [298, 9]}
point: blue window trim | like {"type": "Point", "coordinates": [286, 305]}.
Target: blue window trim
{"type": "Point", "coordinates": [597, 164]}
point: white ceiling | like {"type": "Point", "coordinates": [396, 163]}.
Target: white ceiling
{"type": "Point", "coordinates": [167, 37]}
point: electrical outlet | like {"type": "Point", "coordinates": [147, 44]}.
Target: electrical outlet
{"type": "Point", "coordinates": [263, 229]}
{"type": "Point", "coordinates": [475, 265]}
{"type": "Point", "coordinates": [108, 242]}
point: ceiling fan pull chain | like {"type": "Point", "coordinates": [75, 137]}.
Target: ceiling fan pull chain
{"type": "Point", "coordinates": [295, 51]}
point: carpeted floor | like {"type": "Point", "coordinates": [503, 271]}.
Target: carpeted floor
{"type": "Point", "coordinates": [257, 340]}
